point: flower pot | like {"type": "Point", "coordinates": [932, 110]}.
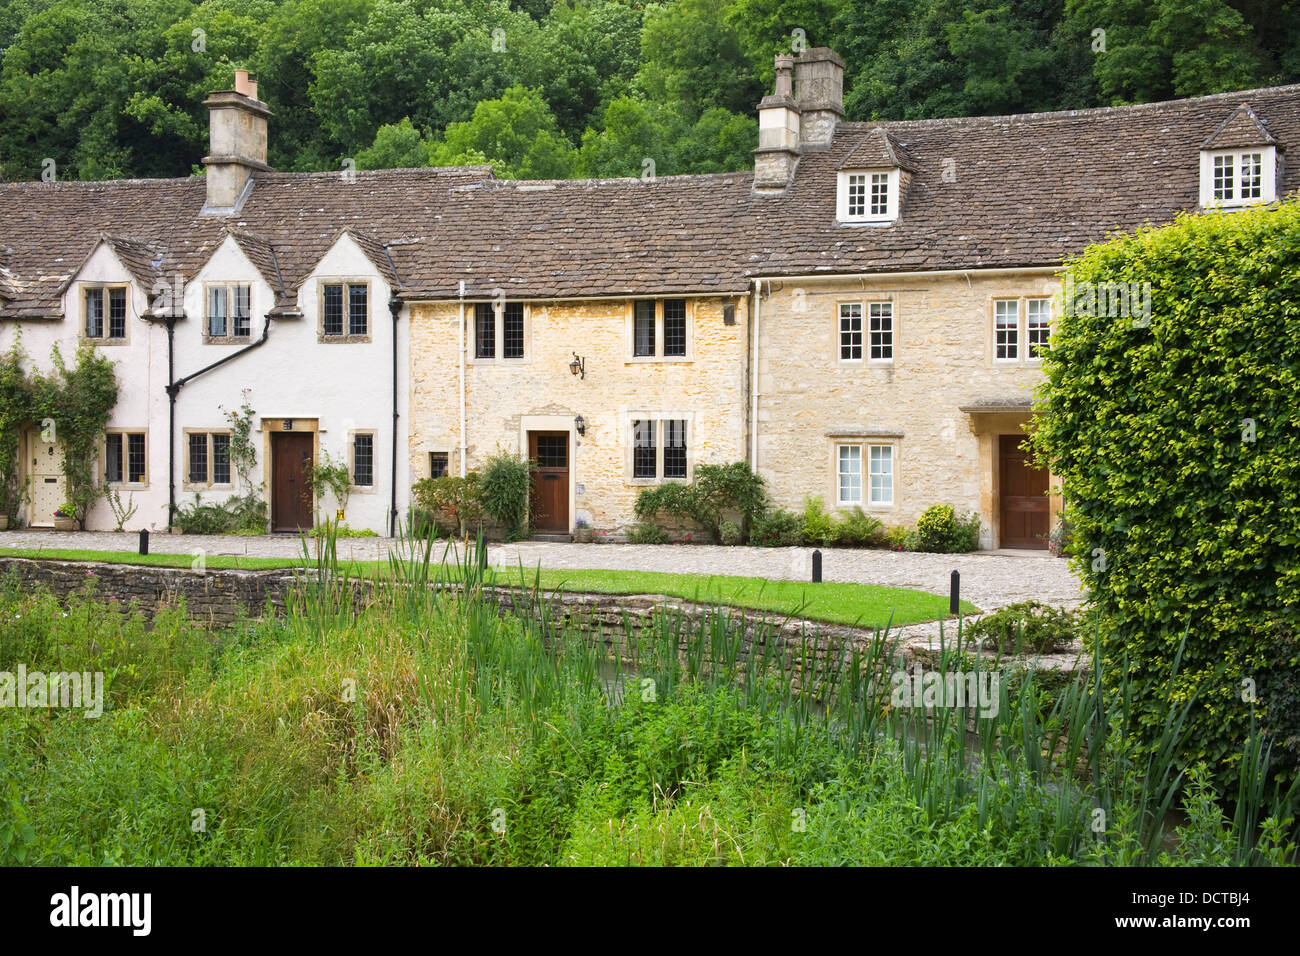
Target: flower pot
{"type": "Point", "coordinates": [65, 524]}
{"type": "Point", "coordinates": [582, 535]}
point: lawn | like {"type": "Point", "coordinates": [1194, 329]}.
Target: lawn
{"type": "Point", "coordinates": [866, 605]}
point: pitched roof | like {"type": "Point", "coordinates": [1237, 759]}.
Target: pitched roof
{"type": "Point", "coordinates": [1241, 128]}
{"type": "Point", "coordinates": [1026, 190]}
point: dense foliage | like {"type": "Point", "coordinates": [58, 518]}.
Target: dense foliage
{"type": "Point", "coordinates": [1177, 439]}
{"type": "Point", "coordinates": [114, 88]}
{"type": "Point", "coordinates": [429, 728]}
{"type": "Point", "coordinates": [941, 530]}
{"type": "Point", "coordinates": [718, 493]}
{"type": "Point", "coordinates": [504, 487]}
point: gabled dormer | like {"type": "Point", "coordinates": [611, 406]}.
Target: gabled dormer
{"type": "Point", "coordinates": [872, 180]}
{"type": "Point", "coordinates": [1240, 163]}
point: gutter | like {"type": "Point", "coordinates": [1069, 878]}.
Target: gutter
{"type": "Point", "coordinates": [753, 385]}
{"type": "Point", "coordinates": [832, 276]}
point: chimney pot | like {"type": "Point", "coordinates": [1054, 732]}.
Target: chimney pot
{"type": "Point", "coordinates": [241, 82]}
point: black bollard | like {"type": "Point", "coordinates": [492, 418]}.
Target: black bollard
{"type": "Point", "coordinates": [817, 566]}
{"type": "Point", "coordinates": [954, 594]}
{"type": "Point", "coordinates": [144, 540]}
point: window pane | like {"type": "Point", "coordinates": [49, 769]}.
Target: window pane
{"type": "Point", "coordinates": [135, 457]}
{"type": "Point", "coordinates": [850, 474]}
{"type": "Point", "coordinates": [242, 311]}
{"type": "Point", "coordinates": [851, 331]}
{"type": "Point", "coordinates": [1223, 177]}
{"type": "Point", "coordinates": [880, 194]}
{"type": "Point", "coordinates": [882, 474]}
{"type": "Point", "coordinates": [643, 449]}
{"type": "Point", "coordinates": [117, 313]}
{"type": "Point", "coordinates": [674, 326]}
{"type": "Point", "coordinates": [358, 314]}
{"type": "Point", "coordinates": [674, 448]}
{"type": "Point", "coordinates": [485, 331]}
{"type": "Point", "coordinates": [332, 315]}
{"type": "Point", "coordinates": [882, 331]}
{"type": "Point", "coordinates": [552, 451]}
{"type": "Point", "coordinates": [643, 330]}
{"type": "Point", "coordinates": [857, 195]}
{"type": "Point", "coordinates": [512, 331]}
{"type": "Point", "coordinates": [1039, 319]}
{"type": "Point", "coordinates": [1006, 328]}
{"type": "Point", "coordinates": [216, 312]}
{"type": "Point", "coordinates": [94, 313]}
{"type": "Point", "coordinates": [221, 459]}
{"type": "Point", "coordinates": [113, 458]}
{"type": "Point", "coordinates": [437, 464]}
{"type": "Point", "coordinates": [1252, 175]}
{"type": "Point", "coordinates": [363, 460]}
{"type": "Point", "coordinates": [199, 459]}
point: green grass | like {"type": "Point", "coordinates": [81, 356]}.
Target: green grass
{"type": "Point", "coordinates": [865, 605]}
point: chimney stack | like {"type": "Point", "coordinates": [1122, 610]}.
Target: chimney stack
{"type": "Point", "coordinates": [237, 122]}
{"type": "Point", "coordinates": [778, 133]}
{"type": "Point", "coordinates": [819, 89]}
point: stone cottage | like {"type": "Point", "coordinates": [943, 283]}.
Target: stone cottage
{"type": "Point", "coordinates": [861, 317]}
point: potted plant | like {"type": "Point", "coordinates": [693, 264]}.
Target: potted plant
{"type": "Point", "coordinates": [582, 532]}
{"type": "Point", "coordinates": [65, 518]}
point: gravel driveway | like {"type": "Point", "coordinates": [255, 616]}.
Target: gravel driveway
{"type": "Point", "coordinates": [989, 579]}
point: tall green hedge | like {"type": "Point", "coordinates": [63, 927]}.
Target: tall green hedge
{"type": "Point", "coordinates": [1177, 439]}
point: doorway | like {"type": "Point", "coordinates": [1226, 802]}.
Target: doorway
{"type": "Point", "coordinates": [291, 505]}
{"type": "Point", "coordinates": [549, 502]}
{"type": "Point", "coordinates": [1025, 506]}
{"type": "Point", "coordinates": [47, 489]}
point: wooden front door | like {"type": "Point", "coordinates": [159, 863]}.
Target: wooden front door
{"type": "Point", "coordinates": [549, 504]}
{"type": "Point", "coordinates": [1025, 504]}
{"type": "Point", "coordinates": [290, 493]}
{"type": "Point", "coordinates": [48, 484]}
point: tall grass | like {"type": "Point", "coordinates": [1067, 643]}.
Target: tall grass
{"type": "Point", "coordinates": [441, 719]}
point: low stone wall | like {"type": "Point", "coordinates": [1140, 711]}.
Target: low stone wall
{"type": "Point", "coordinates": [217, 598]}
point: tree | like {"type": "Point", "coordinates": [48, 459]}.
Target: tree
{"type": "Point", "coordinates": [516, 134]}
{"type": "Point", "coordinates": [691, 55]}
{"type": "Point", "coordinates": [396, 146]}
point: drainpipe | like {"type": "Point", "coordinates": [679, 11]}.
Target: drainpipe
{"type": "Point", "coordinates": [463, 360]}
{"type": "Point", "coordinates": [395, 308]}
{"type": "Point", "coordinates": [174, 387]}
{"type": "Point", "coordinates": [753, 385]}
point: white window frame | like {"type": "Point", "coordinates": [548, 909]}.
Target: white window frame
{"type": "Point", "coordinates": [893, 332]}
{"type": "Point", "coordinates": [840, 500]}
{"type": "Point", "coordinates": [658, 419]}
{"type": "Point", "coordinates": [1014, 328]}
{"type": "Point", "coordinates": [1268, 177]}
{"type": "Point", "coordinates": [861, 332]}
{"type": "Point", "coordinates": [847, 178]}
{"type": "Point", "coordinates": [1051, 320]}
{"type": "Point", "coordinates": [868, 487]}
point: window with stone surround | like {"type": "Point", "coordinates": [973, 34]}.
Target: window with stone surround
{"type": "Point", "coordinates": [659, 448]}
{"type": "Point", "coordinates": [361, 449]}
{"type": "Point", "coordinates": [125, 461]}
{"type": "Point", "coordinates": [659, 330]}
{"type": "Point", "coordinates": [207, 459]}
{"type": "Point", "coordinates": [1006, 329]}
{"type": "Point", "coordinates": [500, 334]}
{"type": "Point", "coordinates": [438, 464]}
{"type": "Point", "coordinates": [1038, 326]}
{"type": "Point", "coordinates": [104, 312]}
{"type": "Point", "coordinates": [229, 313]}
{"type": "Point", "coordinates": [344, 311]}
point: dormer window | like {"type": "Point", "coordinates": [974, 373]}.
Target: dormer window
{"type": "Point", "coordinates": [1238, 177]}
{"type": "Point", "coordinates": [868, 195]}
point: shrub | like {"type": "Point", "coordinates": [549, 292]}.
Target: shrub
{"type": "Point", "coordinates": [1176, 436]}
{"type": "Point", "coordinates": [941, 531]}
{"type": "Point", "coordinates": [1028, 626]}
{"type": "Point", "coordinates": [645, 533]}
{"type": "Point", "coordinates": [730, 533]}
{"type": "Point", "coordinates": [200, 518]}
{"type": "Point", "coordinates": [857, 529]}
{"type": "Point", "coordinates": [899, 538]}
{"type": "Point", "coordinates": [817, 525]}
{"type": "Point", "coordinates": [505, 485]}
{"type": "Point", "coordinates": [777, 529]}
{"type": "Point", "coordinates": [1058, 540]}
{"type": "Point", "coordinates": [718, 491]}
{"type": "Point", "coordinates": [452, 500]}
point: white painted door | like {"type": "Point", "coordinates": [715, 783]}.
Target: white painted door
{"type": "Point", "coordinates": [47, 489]}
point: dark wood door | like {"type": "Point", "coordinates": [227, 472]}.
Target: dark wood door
{"type": "Point", "coordinates": [1025, 504]}
{"type": "Point", "coordinates": [549, 505]}
{"type": "Point", "coordinates": [290, 494]}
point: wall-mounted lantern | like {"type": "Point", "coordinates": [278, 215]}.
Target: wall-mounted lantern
{"type": "Point", "coordinates": [578, 366]}
{"type": "Point", "coordinates": [580, 424]}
